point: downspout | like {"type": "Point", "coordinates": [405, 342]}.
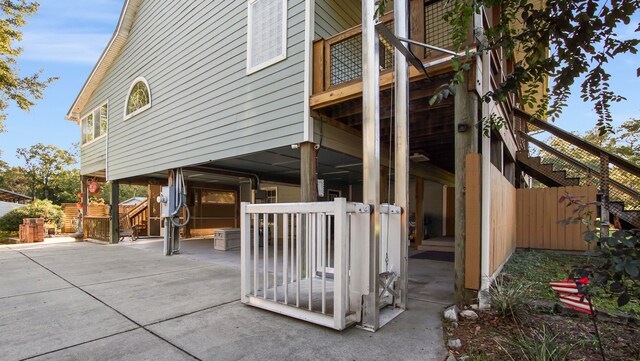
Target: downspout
{"type": "Point", "coordinates": [309, 35]}
{"type": "Point", "coordinates": [485, 249]}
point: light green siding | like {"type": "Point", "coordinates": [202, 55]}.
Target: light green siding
{"type": "Point", "coordinates": [204, 106]}
{"type": "Point", "coordinates": [92, 156]}
{"type": "Point", "coordinates": [335, 16]}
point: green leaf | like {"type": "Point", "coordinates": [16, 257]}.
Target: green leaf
{"type": "Point", "coordinates": [632, 270]}
{"type": "Point", "coordinates": [623, 299]}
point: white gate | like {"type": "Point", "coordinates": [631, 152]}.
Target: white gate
{"type": "Point", "coordinates": [296, 259]}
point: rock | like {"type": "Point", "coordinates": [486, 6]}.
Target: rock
{"type": "Point", "coordinates": [451, 313]}
{"type": "Point", "coordinates": [474, 307]}
{"type": "Point", "coordinates": [454, 343]}
{"type": "Point", "coordinates": [451, 358]}
{"type": "Point", "coordinates": [464, 358]}
{"type": "Point", "coordinates": [453, 325]}
{"type": "Point", "coordinates": [469, 314]}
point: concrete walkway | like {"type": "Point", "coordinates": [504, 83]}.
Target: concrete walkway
{"type": "Point", "coordinates": [83, 301]}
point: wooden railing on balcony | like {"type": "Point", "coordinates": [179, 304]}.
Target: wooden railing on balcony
{"type": "Point", "coordinates": [96, 227]}
{"type": "Point", "coordinates": [337, 62]}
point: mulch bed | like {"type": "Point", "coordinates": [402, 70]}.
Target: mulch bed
{"type": "Point", "coordinates": [481, 338]}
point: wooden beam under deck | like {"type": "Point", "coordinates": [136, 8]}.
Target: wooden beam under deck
{"type": "Point", "coordinates": [353, 90]}
{"type": "Point", "coordinates": [344, 139]}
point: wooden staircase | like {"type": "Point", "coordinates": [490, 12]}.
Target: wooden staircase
{"type": "Point", "coordinates": [616, 177]}
{"type": "Point", "coordinates": [545, 172]}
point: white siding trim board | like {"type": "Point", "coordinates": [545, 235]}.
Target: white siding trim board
{"type": "Point", "coordinates": [108, 57]}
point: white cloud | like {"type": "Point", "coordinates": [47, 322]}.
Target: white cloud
{"type": "Point", "coordinates": [64, 47]}
{"type": "Point", "coordinates": [70, 31]}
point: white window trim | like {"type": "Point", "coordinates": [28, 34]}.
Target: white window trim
{"type": "Point", "coordinates": [82, 124]}
{"type": "Point", "coordinates": [126, 99]}
{"type": "Point", "coordinates": [279, 58]}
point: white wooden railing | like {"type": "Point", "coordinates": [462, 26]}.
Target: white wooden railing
{"type": "Point", "coordinates": [297, 261]}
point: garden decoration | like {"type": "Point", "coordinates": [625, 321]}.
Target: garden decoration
{"type": "Point", "coordinates": [574, 293]}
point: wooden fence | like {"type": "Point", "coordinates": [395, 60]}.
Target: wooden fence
{"type": "Point", "coordinates": [502, 241]}
{"type": "Point", "coordinates": [540, 214]}
{"type": "Point", "coordinates": [96, 228]}
{"type": "Point", "coordinates": [70, 219]}
{"type": "Point", "coordinates": [503, 219]}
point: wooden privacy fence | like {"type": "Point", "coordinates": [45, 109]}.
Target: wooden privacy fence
{"type": "Point", "coordinates": [540, 214]}
{"type": "Point", "coordinates": [502, 240]}
{"type": "Point", "coordinates": [70, 219]}
{"type": "Point", "coordinates": [503, 219]}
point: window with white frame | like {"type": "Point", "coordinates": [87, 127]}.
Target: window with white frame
{"type": "Point", "coordinates": [94, 124]}
{"type": "Point", "coordinates": [138, 98]}
{"type": "Point", "coordinates": [266, 33]}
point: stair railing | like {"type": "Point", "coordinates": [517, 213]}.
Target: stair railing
{"type": "Point", "coordinates": [618, 180]}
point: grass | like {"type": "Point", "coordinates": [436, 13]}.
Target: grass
{"type": "Point", "coordinates": [538, 268]}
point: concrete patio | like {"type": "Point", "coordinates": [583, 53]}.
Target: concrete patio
{"type": "Point", "coordinates": [83, 301]}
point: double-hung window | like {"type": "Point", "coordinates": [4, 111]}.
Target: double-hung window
{"type": "Point", "coordinates": [266, 33]}
{"type": "Point", "coordinates": [94, 124]}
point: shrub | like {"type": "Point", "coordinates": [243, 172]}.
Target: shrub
{"type": "Point", "coordinates": [619, 251]}
{"type": "Point", "coordinates": [507, 298]}
{"type": "Point", "coordinates": [37, 209]}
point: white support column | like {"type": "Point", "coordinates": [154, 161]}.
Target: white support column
{"type": "Point", "coordinates": [485, 227]}
{"type": "Point", "coordinates": [401, 28]}
{"type": "Point", "coordinates": [245, 252]}
{"type": "Point", "coordinates": [371, 155]}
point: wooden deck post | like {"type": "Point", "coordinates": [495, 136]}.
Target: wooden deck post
{"type": "Point", "coordinates": [419, 236]}
{"type": "Point", "coordinates": [466, 141]}
{"type": "Point", "coordinates": [604, 190]}
{"type": "Point", "coordinates": [85, 201]}
{"type": "Point", "coordinates": [308, 172]}
{"type": "Point", "coordinates": [114, 215]}
{"type": "Point", "coordinates": [417, 30]}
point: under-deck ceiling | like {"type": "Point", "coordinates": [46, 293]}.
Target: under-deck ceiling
{"type": "Point", "coordinates": [431, 126]}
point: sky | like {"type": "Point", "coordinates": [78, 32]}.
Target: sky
{"type": "Point", "coordinates": [66, 38]}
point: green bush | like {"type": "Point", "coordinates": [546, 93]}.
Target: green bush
{"type": "Point", "coordinates": [37, 209]}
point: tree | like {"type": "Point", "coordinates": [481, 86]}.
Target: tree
{"type": "Point", "coordinates": [42, 164]}
{"type": "Point", "coordinates": [65, 186]}
{"type": "Point", "coordinates": [15, 180]}
{"type": "Point", "coordinates": [23, 91]}
{"type": "Point", "coordinates": [51, 214]}
{"type": "Point", "coordinates": [566, 40]}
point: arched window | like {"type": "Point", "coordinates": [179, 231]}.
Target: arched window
{"type": "Point", "coordinates": [138, 98]}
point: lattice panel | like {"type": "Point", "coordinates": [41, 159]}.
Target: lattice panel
{"type": "Point", "coordinates": [346, 58]}
{"type": "Point", "coordinates": [437, 30]}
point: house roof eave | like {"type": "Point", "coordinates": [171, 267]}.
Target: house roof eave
{"type": "Point", "coordinates": [108, 57]}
